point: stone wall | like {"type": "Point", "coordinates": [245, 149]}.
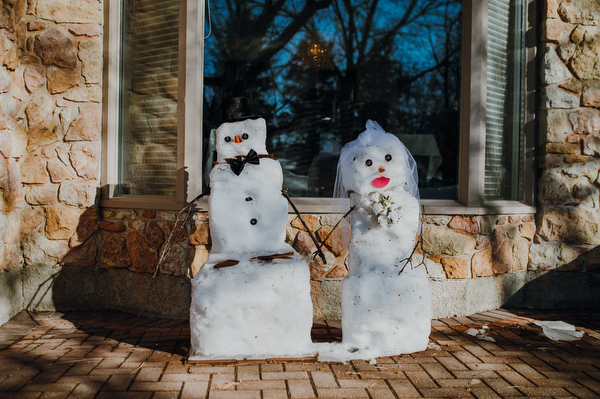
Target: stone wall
{"type": "Point", "coordinates": [569, 209]}
{"type": "Point", "coordinates": [61, 251]}
{"type": "Point", "coordinates": [462, 254]}
{"type": "Point", "coordinates": [474, 262]}
{"type": "Point", "coordinates": [50, 95]}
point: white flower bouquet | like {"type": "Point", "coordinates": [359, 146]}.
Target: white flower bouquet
{"type": "Point", "coordinates": [386, 210]}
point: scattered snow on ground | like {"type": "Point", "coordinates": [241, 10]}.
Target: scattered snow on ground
{"type": "Point", "coordinates": [481, 333]}
{"type": "Point", "coordinates": [559, 330]}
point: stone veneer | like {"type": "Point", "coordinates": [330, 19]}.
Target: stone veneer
{"type": "Point", "coordinates": [50, 130]}
{"type": "Point", "coordinates": [569, 214]}
{"type": "Point", "coordinates": [60, 250]}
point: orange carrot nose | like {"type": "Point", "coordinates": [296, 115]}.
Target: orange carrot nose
{"type": "Point", "coordinates": [381, 170]}
{"type": "Point", "coordinates": [237, 139]}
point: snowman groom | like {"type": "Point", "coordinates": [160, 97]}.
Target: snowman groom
{"type": "Point", "coordinates": [252, 297]}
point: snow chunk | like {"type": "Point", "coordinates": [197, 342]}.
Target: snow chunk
{"type": "Point", "coordinates": [481, 333]}
{"type": "Point", "coordinates": [434, 346]}
{"type": "Point", "coordinates": [559, 330]}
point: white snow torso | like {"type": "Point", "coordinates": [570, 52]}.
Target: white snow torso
{"type": "Point", "coordinates": [379, 241]}
{"type": "Point", "coordinates": [248, 213]}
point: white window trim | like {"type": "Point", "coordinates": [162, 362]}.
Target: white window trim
{"type": "Point", "coordinates": [471, 168]}
{"type": "Point", "coordinates": [472, 120]}
{"type": "Point", "coordinates": [473, 113]}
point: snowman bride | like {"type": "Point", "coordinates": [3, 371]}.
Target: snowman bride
{"type": "Point", "coordinates": [386, 300]}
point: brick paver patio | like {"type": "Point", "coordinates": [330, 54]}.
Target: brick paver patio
{"type": "Point", "coordinates": [106, 354]}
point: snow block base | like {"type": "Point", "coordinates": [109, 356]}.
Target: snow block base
{"type": "Point", "coordinates": [386, 313]}
{"type": "Point", "coordinates": [252, 310]}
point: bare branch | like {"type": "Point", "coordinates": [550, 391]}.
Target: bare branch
{"type": "Point", "coordinates": [368, 26]}
{"type": "Point", "coordinates": [351, 33]}
{"type": "Point", "coordinates": [408, 17]}
{"type": "Point", "coordinates": [310, 8]}
{"type": "Point", "coordinates": [346, 40]}
{"type": "Point", "coordinates": [266, 18]}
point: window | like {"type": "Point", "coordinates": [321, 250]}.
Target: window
{"type": "Point", "coordinates": [152, 94]}
{"type": "Point", "coordinates": [504, 100]}
{"type": "Point", "coordinates": [316, 71]}
{"type": "Point", "coordinates": [148, 98]}
{"type": "Point", "coordinates": [496, 129]}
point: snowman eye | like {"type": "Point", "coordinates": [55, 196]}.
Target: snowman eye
{"type": "Point", "coordinates": [388, 157]}
{"type": "Point", "coordinates": [368, 162]}
{"type": "Point", "coordinates": [227, 139]}
{"type": "Point", "coordinates": [245, 136]}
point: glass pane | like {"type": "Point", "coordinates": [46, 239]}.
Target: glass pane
{"type": "Point", "coordinates": [149, 89]}
{"type": "Point", "coordinates": [318, 70]}
{"type": "Point", "coordinates": [505, 96]}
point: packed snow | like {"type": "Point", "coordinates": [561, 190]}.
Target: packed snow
{"type": "Point", "coordinates": [559, 330]}
{"type": "Point", "coordinates": [252, 299]}
{"type": "Point", "coordinates": [253, 310]}
{"type": "Point", "coordinates": [386, 300]}
{"type": "Point", "coordinates": [248, 213]}
{"type": "Point", "coordinates": [238, 138]}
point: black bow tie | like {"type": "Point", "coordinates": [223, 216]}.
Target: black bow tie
{"type": "Point", "coordinates": [237, 165]}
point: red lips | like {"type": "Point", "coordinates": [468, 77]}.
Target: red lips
{"type": "Point", "coordinates": [380, 182]}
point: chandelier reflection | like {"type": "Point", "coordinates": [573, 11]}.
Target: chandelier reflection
{"type": "Point", "coordinates": [314, 54]}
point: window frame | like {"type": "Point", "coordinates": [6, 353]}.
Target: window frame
{"type": "Point", "coordinates": [189, 109]}
{"type": "Point", "coordinates": [471, 168]}
{"type": "Point", "coordinates": [473, 114]}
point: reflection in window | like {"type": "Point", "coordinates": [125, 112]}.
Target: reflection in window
{"type": "Point", "coordinates": [504, 104]}
{"type": "Point", "coordinates": [317, 70]}
{"type": "Point", "coordinates": [148, 103]}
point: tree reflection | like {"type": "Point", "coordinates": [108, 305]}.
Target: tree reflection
{"type": "Point", "coordinates": [317, 70]}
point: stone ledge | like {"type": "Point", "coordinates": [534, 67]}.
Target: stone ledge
{"type": "Point", "coordinates": [70, 288]}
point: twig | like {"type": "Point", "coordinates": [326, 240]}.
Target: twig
{"type": "Point", "coordinates": [419, 242]}
{"type": "Point", "coordinates": [168, 245]}
{"type": "Point", "coordinates": [336, 225]}
{"type": "Point", "coordinates": [226, 263]}
{"type": "Point", "coordinates": [88, 359]}
{"type": "Point", "coordinates": [286, 255]}
{"type": "Point", "coordinates": [319, 252]}
{"type": "Point", "coordinates": [139, 367]}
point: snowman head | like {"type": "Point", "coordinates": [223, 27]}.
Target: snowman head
{"type": "Point", "coordinates": [376, 162]}
{"type": "Point", "coordinates": [238, 138]}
